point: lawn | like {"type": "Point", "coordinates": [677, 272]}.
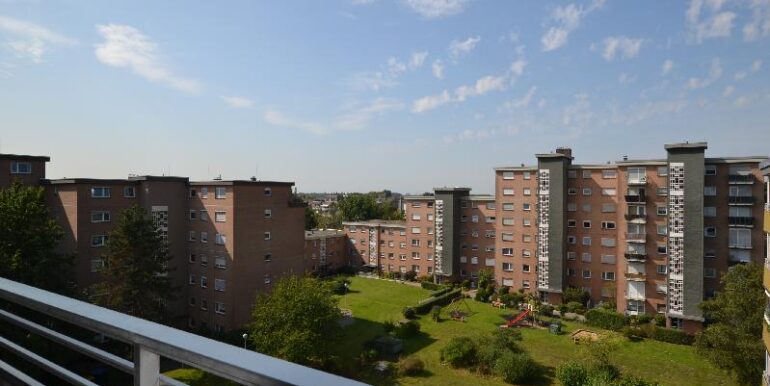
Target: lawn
{"type": "Point", "coordinates": [375, 301]}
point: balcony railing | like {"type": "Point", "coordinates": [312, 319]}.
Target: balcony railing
{"type": "Point", "coordinates": [635, 198]}
{"type": "Point", "coordinates": [636, 237]}
{"type": "Point", "coordinates": [150, 341]}
{"type": "Point", "coordinates": [741, 179]}
{"type": "Point", "coordinates": [745, 221]}
{"type": "Point", "coordinates": [637, 180]}
{"type": "Point", "coordinates": [636, 276]}
{"type": "Point", "coordinates": [635, 216]}
{"type": "Point", "coordinates": [745, 200]}
{"type": "Point", "coordinates": [635, 256]}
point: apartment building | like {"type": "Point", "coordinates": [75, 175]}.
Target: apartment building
{"type": "Point", "coordinates": [766, 276]}
{"type": "Point", "coordinates": [25, 169]}
{"type": "Point", "coordinates": [325, 250]}
{"type": "Point", "coordinates": [378, 245]}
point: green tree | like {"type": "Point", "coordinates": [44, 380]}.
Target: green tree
{"type": "Point", "coordinates": [733, 339]}
{"type": "Point", "coordinates": [28, 240]}
{"type": "Point", "coordinates": [359, 207]}
{"type": "Point", "coordinates": [135, 275]}
{"type": "Point", "coordinates": [296, 321]}
{"type": "Point", "coordinates": [311, 218]}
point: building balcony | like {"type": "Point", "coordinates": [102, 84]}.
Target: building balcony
{"type": "Point", "coordinates": [766, 225]}
{"type": "Point", "coordinates": [636, 198]}
{"type": "Point", "coordinates": [740, 200]}
{"type": "Point", "coordinates": [637, 180]}
{"type": "Point", "coordinates": [630, 216]}
{"type": "Point", "coordinates": [741, 221]}
{"type": "Point", "coordinates": [740, 179]}
{"type": "Point", "coordinates": [149, 340]}
{"type": "Point", "coordinates": [766, 275]}
{"type": "Point", "coordinates": [635, 276]}
{"type": "Point", "coordinates": [635, 256]}
{"type": "Point", "coordinates": [636, 237]}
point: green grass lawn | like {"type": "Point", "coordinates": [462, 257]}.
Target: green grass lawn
{"type": "Point", "coordinates": [374, 301]}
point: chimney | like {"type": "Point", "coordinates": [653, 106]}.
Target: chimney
{"type": "Point", "coordinates": [565, 151]}
{"type": "Point", "coordinates": [253, 179]}
{"type": "Point", "coordinates": [625, 158]}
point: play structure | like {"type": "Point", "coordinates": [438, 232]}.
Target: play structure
{"type": "Point", "coordinates": [456, 313]}
{"type": "Point", "coordinates": [517, 319]}
{"type": "Point", "coordinates": [583, 335]}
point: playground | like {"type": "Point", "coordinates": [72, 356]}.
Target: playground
{"type": "Point", "coordinates": [375, 301]}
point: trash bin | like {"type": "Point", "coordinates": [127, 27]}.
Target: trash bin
{"type": "Point", "coordinates": [555, 328]}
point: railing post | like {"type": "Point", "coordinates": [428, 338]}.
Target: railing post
{"type": "Point", "coordinates": [146, 367]}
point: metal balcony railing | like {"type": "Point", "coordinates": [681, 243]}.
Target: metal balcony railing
{"type": "Point", "coordinates": [635, 256]}
{"type": "Point", "coordinates": [636, 237]}
{"type": "Point", "coordinates": [149, 340]}
{"type": "Point", "coordinates": [635, 198]}
{"type": "Point", "coordinates": [740, 200]}
{"type": "Point", "coordinates": [741, 179]}
{"type": "Point", "coordinates": [635, 276]}
{"type": "Point", "coordinates": [635, 216]}
{"type": "Point", "coordinates": [636, 180]}
{"type": "Point", "coordinates": [741, 220]}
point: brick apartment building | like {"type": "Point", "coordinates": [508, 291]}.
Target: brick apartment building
{"type": "Point", "coordinates": [654, 235]}
{"type": "Point", "coordinates": [325, 250]}
{"type": "Point", "coordinates": [766, 277]}
{"type": "Point", "coordinates": [228, 240]}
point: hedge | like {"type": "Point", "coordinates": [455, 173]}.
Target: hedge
{"type": "Point", "coordinates": [440, 292]}
{"type": "Point", "coordinates": [608, 320]}
{"type": "Point", "coordinates": [431, 286]}
{"type": "Point", "coordinates": [670, 336]}
{"type": "Point", "coordinates": [424, 306]}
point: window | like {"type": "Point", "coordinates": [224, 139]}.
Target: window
{"type": "Point", "coordinates": [129, 192]}
{"type": "Point", "coordinates": [463, 259]}
{"type": "Point", "coordinates": [526, 206]}
{"type": "Point", "coordinates": [268, 191]}
{"type": "Point", "coordinates": [571, 255]}
{"type": "Point", "coordinates": [416, 205]}
{"type": "Point", "coordinates": [525, 284]}
{"type": "Point", "coordinates": [586, 257]}
{"type": "Point", "coordinates": [571, 207]}
{"type": "Point", "coordinates": [662, 171]}
{"type": "Point", "coordinates": [586, 174]}
{"type": "Point", "coordinates": [191, 301]}
{"type": "Point", "coordinates": [508, 175]}
{"type": "Point", "coordinates": [609, 192]}
{"type": "Point", "coordinates": [662, 229]}
{"type": "Point", "coordinates": [97, 265]}
{"type": "Point", "coordinates": [586, 274]}
{"type": "Point", "coordinates": [192, 236]}
{"type": "Point", "coordinates": [571, 191]}
{"type": "Point", "coordinates": [571, 173]}
{"type": "Point", "coordinates": [416, 255]}
{"type": "Point", "coordinates": [609, 276]}
{"type": "Point", "coordinates": [507, 236]}
{"type": "Point", "coordinates": [608, 208]}
{"type": "Point", "coordinates": [475, 218]}
{"type": "Point", "coordinates": [526, 253]}
{"type": "Point", "coordinates": [710, 254]}
{"type": "Point", "coordinates": [608, 224]}
{"type": "Point", "coordinates": [571, 240]}
{"type": "Point", "coordinates": [220, 192]}
{"type": "Point", "coordinates": [710, 273]}
{"type": "Point", "coordinates": [739, 211]}
{"type": "Point", "coordinates": [219, 308]}
{"type": "Point", "coordinates": [100, 192]}
{"type": "Point", "coordinates": [709, 190]}
{"type": "Point", "coordinates": [662, 192]}
{"type": "Point", "coordinates": [508, 267]}
{"type": "Point", "coordinates": [204, 260]}
{"type": "Point", "coordinates": [416, 216]}
{"type": "Point", "coordinates": [662, 210]}
{"type": "Point", "coordinates": [527, 175]}
{"type": "Point", "coordinates": [571, 223]}
{"type": "Point", "coordinates": [709, 211]}
{"type": "Point", "coordinates": [507, 206]}
{"type": "Point", "coordinates": [507, 221]}
{"type": "Point", "coordinates": [587, 224]}
{"type": "Point", "coordinates": [192, 192]}
{"type": "Point", "coordinates": [191, 279]}
{"type": "Point", "coordinates": [636, 175]}
{"type": "Point", "coordinates": [507, 251]}
{"type": "Point", "coordinates": [526, 238]}
{"type": "Point", "coordinates": [222, 217]}
{"type": "Point", "coordinates": [204, 192]}
{"type": "Point", "coordinates": [586, 240]}
{"type": "Point", "coordinates": [220, 239]}
{"type": "Point", "coordinates": [193, 215]}
{"type": "Point", "coordinates": [191, 257]}
{"type": "Point", "coordinates": [21, 168]}
{"type": "Point", "coordinates": [219, 285]}
{"type": "Point", "coordinates": [508, 192]}
{"type": "Point", "coordinates": [268, 235]}
{"type": "Point", "coordinates": [740, 191]}
{"type": "Point", "coordinates": [525, 268]}
{"type": "Point", "coordinates": [204, 304]}
{"type": "Point", "coordinates": [608, 259]}
{"type": "Point", "coordinates": [268, 213]}
{"type": "Point", "coordinates": [608, 242]}
{"type": "Point", "coordinates": [586, 207]}
{"type": "Point", "coordinates": [267, 257]}
{"type": "Point", "coordinates": [609, 173]}
{"type": "Point", "coordinates": [204, 237]}
{"type": "Point", "coordinates": [220, 262]}
{"type": "Point", "coordinates": [527, 222]}
{"type": "Point", "coordinates": [739, 238]}
{"type": "Point", "coordinates": [661, 269]}
{"type": "Point", "coordinates": [711, 170]}
{"type": "Point", "coordinates": [710, 232]}
{"type": "Point", "coordinates": [204, 282]}
{"type": "Point", "coordinates": [587, 191]}
{"type": "Point", "coordinates": [100, 216]}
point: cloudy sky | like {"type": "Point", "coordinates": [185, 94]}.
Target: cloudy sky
{"type": "Point", "coordinates": [357, 95]}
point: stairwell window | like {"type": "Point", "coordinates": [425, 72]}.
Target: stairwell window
{"type": "Point", "coordinates": [219, 308]}
{"type": "Point", "coordinates": [508, 176]}
{"type": "Point", "coordinates": [268, 192]}
{"type": "Point", "coordinates": [204, 192]}
{"type": "Point", "coordinates": [268, 236]}
{"type": "Point", "coordinates": [219, 285]}
{"type": "Point", "coordinates": [268, 213]}
{"type": "Point", "coordinates": [129, 192]}
{"type": "Point", "coordinates": [98, 240]}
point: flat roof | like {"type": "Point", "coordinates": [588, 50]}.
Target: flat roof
{"type": "Point", "coordinates": [686, 145]}
{"type": "Point", "coordinates": [419, 198]}
{"type": "Point", "coordinates": [241, 182]}
{"type": "Point", "coordinates": [114, 181]}
{"type": "Point", "coordinates": [383, 223]}
{"type": "Point", "coordinates": [24, 157]}
{"type": "Point", "coordinates": [450, 189]}
{"type": "Point", "coordinates": [481, 197]}
{"type": "Point", "coordinates": [525, 168]}
{"type": "Point", "coordinates": [319, 233]}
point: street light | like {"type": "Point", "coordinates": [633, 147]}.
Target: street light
{"type": "Point", "coordinates": [344, 298]}
{"type": "Point", "coordinates": [244, 339]}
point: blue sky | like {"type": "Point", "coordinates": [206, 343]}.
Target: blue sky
{"type": "Point", "coordinates": [358, 95]}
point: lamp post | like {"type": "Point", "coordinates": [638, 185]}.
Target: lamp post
{"type": "Point", "coordinates": [344, 297]}
{"type": "Point", "coordinates": [244, 339]}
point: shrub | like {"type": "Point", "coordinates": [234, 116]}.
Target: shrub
{"type": "Point", "coordinates": [634, 381]}
{"type": "Point", "coordinates": [671, 336]}
{"type": "Point", "coordinates": [410, 366]}
{"type": "Point", "coordinates": [410, 275]}
{"type": "Point", "coordinates": [572, 374]}
{"type": "Point", "coordinates": [482, 295]}
{"type": "Point", "coordinates": [459, 352]}
{"type": "Point", "coordinates": [643, 319]}
{"type": "Point", "coordinates": [562, 309]}
{"type": "Point", "coordinates": [660, 320]}
{"type": "Point", "coordinates": [409, 313]}
{"type": "Point", "coordinates": [431, 286]}
{"type": "Point", "coordinates": [426, 304]}
{"type": "Point", "coordinates": [435, 313]}
{"type": "Point", "coordinates": [407, 329]}
{"type": "Point", "coordinates": [338, 286]}
{"type": "Point", "coordinates": [388, 326]}
{"type": "Point", "coordinates": [608, 320]}
{"type": "Point", "coordinates": [466, 284]}
{"type": "Point", "coordinates": [503, 290]}
{"type": "Point", "coordinates": [516, 368]}
{"type": "Point", "coordinates": [633, 333]}
{"type": "Point", "coordinates": [576, 295]}
{"type": "Point", "coordinates": [576, 307]}
{"type": "Point", "coordinates": [546, 309]}
{"type": "Point", "coordinates": [440, 291]}
{"type": "Point", "coordinates": [507, 338]}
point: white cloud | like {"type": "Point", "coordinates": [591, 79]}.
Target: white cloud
{"type": "Point", "coordinates": [374, 81]}
{"type": "Point", "coordinates": [432, 9]}
{"type": "Point", "coordinates": [715, 24]}
{"type": "Point", "coordinates": [277, 118]}
{"type": "Point", "coordinates": [418, 59]}
{"type": "Point", "coordinates": [715, 72]}
{"type": "Point", "coordinates": [517, 68]}
{"type": "Point", "coordinates": [461, 48]}
{"type": "Point", "coordinates": [667, 66]}
{"type": "Point", "coordinates": [640, 112]}
{"type": "Point", "coordinates": [430, 102]}
{"type": "Point", "coordinates": [395, 66]}
{"type": "Point", "coordinates": [30, 41]}
{"type": "Point", "coordinates": [480, 134]}
{"type": "Point", "coordinates": [358, 118]}
{"type": "Point", "coordinates": [759, 26]}
{"type": "Point", "coordinates": [482, 86]}
{"type": "Point", "coordinates": [237, 102]}
{"type": "Point", "coordinates": [524, 101]}
{"type": "Point", "coordinates": [125, 46]}
{"type": "Point", "coordinates": [755, 66]}
{"type": "Point", "coordinates": [729, 90]}
{"type": "Point", "coordinates": [742, 101]}
{"type": "Point", "coordinates": [567, 19]}
{"type": "Point", "coordinates": [438, 69]}
{"type": "Point", "coordinates": [625, 78]}
{"type": "Point", "coordinates": [623, 46]}
{"type": "Point", "coordinates": [578, 114]}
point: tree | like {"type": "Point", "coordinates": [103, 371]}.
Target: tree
{"type": "Point", "coordinates": [135, 275]}
{"type": "Point", "coordinates": [28, 240]}
{"type": "Point", "coordinates": [733, 340]}
{"type": "Point", "coordinates": [311, 218]}
{"type": "Point", "coordinates": [296, 321]}
{"type": "Point", "coordinates": [359, 207]}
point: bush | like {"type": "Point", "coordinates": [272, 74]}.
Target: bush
{"type": "Point", "coordinates": [482, 295]}
{"type": "Point", "coordinates": [466, 284]}
{"type": "Point", "coordinates": [338, 285]}
{"type": "Point", "coordinates": [633, 333]}
{"type": "Point", "coordinates": [634, 381]}
{"type": "Point", "coordinates": [516, 368]}
{"type": "Point", "coordinates": [459, 352]}
{"type": "Point", "coordinates": [409, 313]}
{"type": "Point", "coordinates": [546, 309]}
{"type": "Point", "coordinates": [572, 374]}
{"type": "Point", "coordinates": [660, 320]}
{"type": "Point", "coordinates": [426, 304]}
{"type": "Point", "coordinates": [435, 313]}
{"type": "Point", "coordinates": [431, 286]}
{"type": "Point", "coordinates": [671, 336]}
{"type": "Point", "coordinates": [608, 320]}
{"type": "Point", "coordinates": [407, 329]}
{"type": "Point", "coordinates": [643, 319]}
{"type": "Point", "coordinates": [503, 290]}
{"type": "Point", "coordinates": [410, 275]}
{"type": "Point", "coordinates": [576, 308]}
{"type": "Point", "coordinates": [576, 295]}
{"type": "Point", "coordinates": [388, 326]}
{"type": "Point", "coordinates": [440, 291]}
{"type": "Point", "coordinates": [410, 366]}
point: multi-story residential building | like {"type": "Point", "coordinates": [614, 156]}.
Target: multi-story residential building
{"type": "Point", "coordinates": [766, 276]}
{"type": "Point", "coordinates": [378, 245]}
{"type": "Point", "coordinates": [25, 169]}
{"type": "Point", "coordinates": [325, 250]}
{"type": "Point", "coordinates": [420, 233]}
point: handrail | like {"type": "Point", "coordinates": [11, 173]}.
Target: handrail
{"type": "Point", "coordinates": [152, 340]}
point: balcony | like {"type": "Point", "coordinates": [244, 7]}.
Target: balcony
{"type": "Point", "coordinates": [767, 218]}
{"type": "Point", "coordinates": [740, 179]}
{"type": "Point", "coordinates": [149, 340]}
{"type": "Point", "coordinates": [766, 275]}
{"type": "Point", "coordinates": [635, 276]}
{"type": "Point", "coordinates": [635, 216]}
{"type": "Point", "coordinates": [740, 200]}
{"type": "Point", "coordinates": [636, 237]}
{"type": "Point", "coordinates": [741, 221]}
{"type": "Point", "coordinates": [637, 180]}
{"type": "Point", "coordinates": [635, 256]}
{"type": "Point", "coordinates": [636, 198]}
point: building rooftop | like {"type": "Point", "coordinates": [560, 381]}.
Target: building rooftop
{"type": "Point", "coordinates": [481, 197]}
{"type": "Point", "coordinates": [319, 233]}
{"type": "Point", "coordinates": [686, 145]}
{"type": "Point", "coordinates": [385, 223]}
{"type": "Point", "coordinates": [22, 157]}
{"type": "Point", "coordinates": [241, 183]}
{"type": "Point", "coordinates": [419, 198]}
{"type": "Point", "coordinates": [115, 181]}
{"type": "Point", "coordinates": [450, 189]}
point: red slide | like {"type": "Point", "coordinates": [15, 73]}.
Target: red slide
{"type": "Point", "coordinates": [515, 320]}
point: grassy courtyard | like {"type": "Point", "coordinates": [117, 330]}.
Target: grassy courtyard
{"type": "Point", "coordinates": [375, 301]}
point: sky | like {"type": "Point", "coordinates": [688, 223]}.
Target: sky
{"type": "Point", "coordinates": [360, 95]}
